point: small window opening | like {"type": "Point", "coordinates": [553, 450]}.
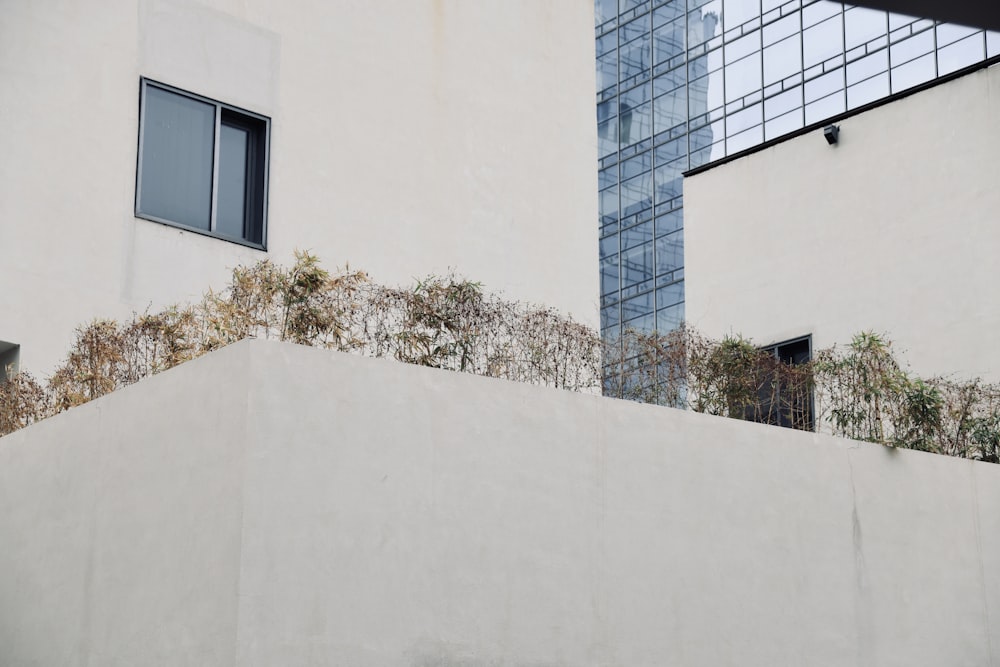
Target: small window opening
{"type": "Point", "coordinates": [202, 165]}
{"type": "Point", "coordinates": [10, 354]}
{"type": "Point", "coordinates": [786, 397]}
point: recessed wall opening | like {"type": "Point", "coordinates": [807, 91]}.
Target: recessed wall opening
{"type": "Point", "coordinates": [789, 401]}
{"type": "Point", "coordinates": [9, 358]}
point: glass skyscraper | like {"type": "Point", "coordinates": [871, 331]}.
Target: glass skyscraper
{"type": "Point", "coordinates": [685, 82]}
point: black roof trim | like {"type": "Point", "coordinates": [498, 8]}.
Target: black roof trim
{"type": "Point", "coordinates": [989, 62]}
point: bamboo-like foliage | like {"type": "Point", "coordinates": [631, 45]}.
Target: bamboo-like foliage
{"type": "Point", "coordinates": [729, 377]}
{"type": "Point", "coordinates": [23, 401]}
{"type": "Point", "coordinates": [443, 322]}
{"type": "Point", "coordinates": [865, 394]}
{"type": "Point", "coordinates": [860, 392]}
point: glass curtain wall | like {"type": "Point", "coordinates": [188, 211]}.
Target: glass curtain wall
{"type": "Point", "coordinates": [685, 82]}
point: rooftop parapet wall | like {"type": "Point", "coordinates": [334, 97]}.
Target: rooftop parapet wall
{"type": "Point", "coordinates": [275, 504]}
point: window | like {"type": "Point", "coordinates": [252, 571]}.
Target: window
{"type": "Point", "coordinates": [9, 354]}
{"type": "Point", "coordinates": [785, 398]}
{"type": "Point", "coordinates": [202, 165]}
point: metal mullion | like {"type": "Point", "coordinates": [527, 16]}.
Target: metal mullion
{"type": "Point", "coordinates": [802, 65]}
{"type": "Point", "coordinates": [139, 151]}
{"type": "Point", "coordinates": [652, 128]}
{"type": "Point", "coordinates": [215, 166]}
{"type": "Point", "coordinates": [723, 44]}
{"type": "Point", "coordinates": [618, 155]}
{"type": "Point", "coordinates": [843, 48]}
{"type": "Point", "coordinates": [934, 28]}
{"type": "Point", "coordinates": [888, 45]}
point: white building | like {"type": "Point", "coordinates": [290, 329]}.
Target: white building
{"type": "Point", "coordinates": [894, 229]}
{"type": "Point", "coordinates": [303, 514]}
{"type": "Point", "coordinates": [279, 505]}
{"type": "Point", "coordinates": [404, 137]}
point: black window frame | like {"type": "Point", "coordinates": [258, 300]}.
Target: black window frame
{"type": "Point", "coordinates": [10, 355]}
{"type": "Point", "coordinates": [791, 352]}
{"type": "Point", "coordinates": [258, 128]}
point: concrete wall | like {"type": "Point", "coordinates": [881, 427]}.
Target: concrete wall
{"type": "Point", "coordinates": [286, 505]}
{"type": "Point", "coordinates": [894, 229]}
{"type": "Point", "coordinates": [408, 137]}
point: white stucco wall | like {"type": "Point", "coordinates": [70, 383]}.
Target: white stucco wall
{"type": "Point", "coordinates": [408, 137]}
{"type": "Point", "coordinates": [895, 229]}
{"type": "Point", "coordinates": [273, 504]}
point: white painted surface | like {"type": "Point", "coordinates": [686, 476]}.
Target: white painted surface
{"type": "Point", "coordinates": [894, 230]}
{"type": "Point", "coordinates": [408, 137]}
{"type": "Point", "coordinates": [286, 505]}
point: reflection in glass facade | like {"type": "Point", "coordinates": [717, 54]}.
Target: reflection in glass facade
{"type": "Point", "coordinates": [685, 82]}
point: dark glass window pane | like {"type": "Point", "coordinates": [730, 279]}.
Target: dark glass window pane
{"type": "Point", "coordinates": [605, 10]}
{"type": "Point", "coordinates": [669, 295]}
{"type": "Point", "coordinates": [703, 25]}
{"type": "Point", "coordinates": [637, 264]}
{"type": "Point", "coordinates": [670, 110]}
{"type": "Point", "coordinates": [637, 235]}
{"type": "Point", "coordinates": [610, 316]}
{"type": "Point", "coordinates": [637, 306]}
{"type": "Point", "coordinates": [609, 246]}
{"type": "Point", "coordinates": [606, 43]}
{"type": "Point", "coordinates": [607, 137]}
{"type": "Point", "coordinates": [626, 5]}
{"type": "Point", "coordinates": [635, 57]}
{"type": "Point", "coordinates": [669, 222]}
{"type": "Point", "coordinates": [609, 274]}
{"type": "Point", "coordinates": [607, 177]}
{"type": "Point", "coordinates": [177, 150]}
{"type": "Point", "coordinates": [609, 205]}
{"type": "Point", "coordinates": [640, 164]}
{"type": "Point", "coordinates": [670, 318]}
{"type": "Point", "coordinates": [672, 150]}
{"type": "Point", "coordinates": [668, 12]}
{"type": "Point", "coordinates": [637, 194]}
{"type": "Point", "coordinates": [669, 80]}
{"type": "Point", "coordinates": [668, 180]}
{"type": "Point", "coordinates": [231, 207]}
{"type": "Point", "coordinates": [634, 123]}
{"type": "Point", "coordinates": [668, 41]}
{"type": "Point", "coordinates": [670, 252]}
{"type": "Point", "coordinates": [607, 70]}
{"type": "Point", "coordinates": [633, 29]}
